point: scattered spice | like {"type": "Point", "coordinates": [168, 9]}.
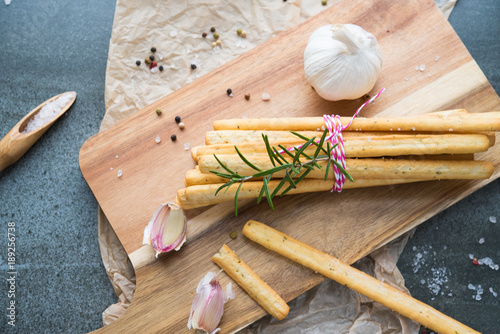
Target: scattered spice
{"type": "Point", "coordinates": [229, 91]}
{"type": "Point", "coordinates": [218, 43]}
{"type": "Point", "coordinates": [214, 44]}
{"type": "Point", "coordinates": [204, 35]}
{"type": "Point", "coordinates": [153, 49]}
{"type": "Point", "coordinates": [147, 61]}
{"type": "Point", "coordinates": [153, 64]}
{"type": "Point", "coordinates": [181, 125]}
{"type": "Point", "coordinates": [323, 2]}
{"type": "Point", "coordinates": [138, 62]}
{"type": "Point", "coordinates": [160, 68]}
{"type": "Point", "coordinates": [173, 137]}
{"type": "Point", "coordinates": [244, 34]}
{"type": "Point", "coordinates": [177, 119]}
{"type": "Point", "coordinates": [475, 262]}
{"type": "Point", "coordinates": [247, 97]}
{"type": "Point", "coordinates": [158, 111]}
{"type": "Point", "coordinates": [239, 31]}
{"type": "Point", "coordinates": [216, 35]}
{"type": "Point", "coordinates": [233, 235]}
{"type": "Point", "coordinates": [266, 97]}
{"type": "Point", "coordinates": [151, 57]}
{"type": "Point", "coordinates": [193, 66]}
{"type": "Point", "coordinates": [212, 29]}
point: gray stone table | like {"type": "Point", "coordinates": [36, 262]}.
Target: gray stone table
{"type": "Point", "coordinates": [48, 47]}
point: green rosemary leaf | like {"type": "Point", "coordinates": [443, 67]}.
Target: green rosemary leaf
{"type": "Point", "coordinates": [268, 148]}
{"type": "Point", "coordinates": [261, 193]}
{"type": "Point", "coordinates": [272, 170]}
{"type": "Point", "coordinates": [327, 170]}
{"type": "Point", "coordinates": [246, 161]}
{"type": "Point", "coordinates": [224, 175]}
{"type": "Point", "coordinates": [277, 189]}
{"type": "Point", "coordinates": [222, 187]}
{"type": "Point", "coordinates": [230, 184]}
{"type": "Point", "coordinates": [290, 180]}
{"type": "Point", "coordinates": [279, 156]}
{"type": "Point", "coordinates": [343, 170]}
{"type": "Point", "coordinates": [224, 166]}
{"type": "Point", "coordinates": [308, 166]}
{"type": "Point", "coordinates": [268, 195]}
{"type": "Point", "coordinates": [305, 138]}
{"type": "Point", "coordinates": [297, 181]}
{"type": "Point", "coordinates": [313, 160]}
{"type": "Point", "coordinates": [299, 152]}
{"type": "Point", "coordinates": [236, 200]}
{"type": "Point", "coordinates": [286, 151]}
{"type": "Point", "coordinates": [320, 145]}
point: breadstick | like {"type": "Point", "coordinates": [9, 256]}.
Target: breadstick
{"type": "Point", "coordinates": [251, 283]}
{"type": "Point", "coordinates": [357, 280]}
{"type": "Point", "coordinates": [362, 168]}
{"type": "Point", "coordinates": [464, 122]}
{"type": "Point", "coordinates": [376, 146]}
{"type": "Point", "coordinates": [203, 195]}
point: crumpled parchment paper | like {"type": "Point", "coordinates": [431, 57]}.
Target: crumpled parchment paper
{"type": "Point", "coordinates": [175, 28]}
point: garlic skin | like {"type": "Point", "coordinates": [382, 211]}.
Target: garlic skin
{"type": "Point", "coordinates": [167, 229]}
{"type": "Point", "coordinates": [208, 305]}
{"type": "Point", "coordinates": [342, 61]}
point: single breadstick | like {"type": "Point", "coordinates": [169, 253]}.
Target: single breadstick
{"type": "Point", "coordinates": [376, 146]}
{"type": "Point", "coordinates": [361, 168]}
{"type": "Point", "coordinates": [251, 283]}
{"type": "Point", "coordinates": [203, 195]}
{"type": "Point", "coordinates": [466, 122]}
{"type": "Point", "coordinates": [357, 280]}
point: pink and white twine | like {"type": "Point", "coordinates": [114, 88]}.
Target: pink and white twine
{"type": "Point", "coordinates": [334, 125]}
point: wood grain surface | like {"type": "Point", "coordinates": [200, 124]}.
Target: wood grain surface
{"type": "Point", "coordinates": [348, 225]}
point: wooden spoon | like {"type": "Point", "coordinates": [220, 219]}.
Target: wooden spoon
{"type": "Point", "coordinates": [17, 142]}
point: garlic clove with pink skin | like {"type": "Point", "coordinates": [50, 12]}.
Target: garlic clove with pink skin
{"type": "Point", "coordinates": [167, 228]}
{"type": "Point", "coordinates": [208, 304]}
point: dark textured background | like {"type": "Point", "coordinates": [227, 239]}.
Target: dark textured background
{"type": "Point", "coordinates": [48, 47]}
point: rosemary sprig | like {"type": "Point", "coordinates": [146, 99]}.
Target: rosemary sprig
{"type": "Point", "coordinates": [292, 168]}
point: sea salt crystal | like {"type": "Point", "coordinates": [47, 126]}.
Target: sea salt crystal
{"type": "Point", "coordinates": [157, 139]}
{"type": "Point", "coordinates": [481, 241]}
{"type": "Point", "coordinates": [471, 256]}
{"type": "Point", "coordinates": [111, 168]}
{"type": "Point", "coordinates": [116, 156]}
{"type": "Point", "coordinates": [413, 128]}
{"type": "Point", "coordinates": [406, 79]}
{"type": "Point", "coordinates": [493, 292]}
{"type": "Point", "coordinates": [422, 68]}
{"type": "Point", "coordinates": [414, 248]}
{"type": "Point", "coordinates": [119, 173]}
{"type": "Point", "coordinates": [173, 33]}
{"type": "Point", "coordinates": [478, 297]}
{"type": "Point", "coordinates": [493, 219]}
{"type": "Point", "coordinates": [422, 281]}
{"type": "Point", "coordinates": [445, 248]}
{"type": "Point", "coordinates": [369, 138]}
{"type": "Point", "coordinates": [436, 59]}
{"type": "Point", "coordinates": [154, 70]}
{"type": "Point", "coordinates": [266, 97]}
{"type": "Point", "coordinates": [216, 50]}
{"type": "Point", "coordinates": [187, 146]}
{"type": "Point", "coordinates": [7, 2]}
{"type": "Point", "coordinates": [48, 112]}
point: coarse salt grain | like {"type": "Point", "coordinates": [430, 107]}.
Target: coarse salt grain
{"type": "Point", "coordinates": [155, 70]}
{"type": "Point", "coordinates": [119, 173]}
{"type": "Point", "coordinates": [173, 33]}
{"type": "Point", "coordinates": [471, 287]}
{"type": "Point", "coordinates": [266, 97]}
{"type": "Point", "coordinates": [481, 241]}
{"type": "Point", "coordinates": [492, 292]}
{"type": "Point", "coordinates": [116, 156]}
{"type": "Point", "coordinates": [48, 112]}
{"type": "Point", "coordinates": [493, 219]}
{"type": "Point", "coordinates": [111, 168]}
{"type": "Point", "coordinates": [471, 256]}
{"type": "Point", "coordinates": [157, 139]}
{"type": "Point", "coordinates": [422, 68]}
{"type": "Point", "coordinates": [187, 146]}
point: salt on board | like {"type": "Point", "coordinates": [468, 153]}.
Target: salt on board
{"type": "Point", "coordinates": [48, 112]}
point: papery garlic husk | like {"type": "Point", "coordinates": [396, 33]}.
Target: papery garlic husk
{"type": "Point", "coordinates": [208, 304]}
{"type": "Point", "coordinates": [167, 228]}
{"type": "Point", "coordinates": [342, 61]}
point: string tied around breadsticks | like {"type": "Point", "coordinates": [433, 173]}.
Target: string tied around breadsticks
{"type": "Point", "coordinates": [334, 125]}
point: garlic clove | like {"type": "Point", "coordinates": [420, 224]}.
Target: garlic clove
{"type": "Point", "coordinates": [167, 228]}
{"type": "Point", "coordinates": [342, 61]}
{"type": "Point", "coordinates": [208, 305]}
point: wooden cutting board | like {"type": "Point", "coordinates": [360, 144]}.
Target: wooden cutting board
{"type": "Point", "coordinates": [348, 225]}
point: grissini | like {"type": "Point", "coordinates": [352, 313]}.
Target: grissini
{"type": "Point", "coordinates": [344, 274]}
{"type": "Point", "coordinates": [464, 122]}
{"type": "Point", "coordinates": [203, 195]}
{"type": "Point", "coordinates": [246, 278]}
{"type": "Point", "coordinates": [370, 146]}
{"type": "Point", "coordinates": [362, 168]}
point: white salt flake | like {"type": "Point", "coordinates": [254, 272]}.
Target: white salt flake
{"type": "Point", "coordinates": [450, 294]}
{"type": "Point", "coordinates": [422, 67]}
{"type": "Point", "coordinates": [116, 156]}
{"type": "Point", "coordinates": [173, 33]}
{"type": "Point", "coordinates": [478, 297]}
{"type": "Point", "coordinates": [416, 68]}
{"type": "Point", "coordinates": [493, 219]}
{"type": "Point", "coordinates": [157, 139]}
{"type": "Point", "coordinates": [429, 75]}
{"type": "Point", "coordinates": [422, 281]}
{"type": "Point", "coordinates": [445, 248]}
{"type": "Point", "coordinates": [154, 70]}
{"type": "Point", "coordinates": [436, 59]}
{"type": "Point", "coordinates": [369, 138]}
{"type": "Point", "coordinates": [414, 248]}
{"type": "Point", "coordinates": [7, 2]}
{"type": "Point", "coordinates": [111, 168]}
{"type": "Point", "coordinates": [266, 97]}
{"type": "Point", "coordinates": [481, 241]}
{"type": "Point", "coordinates": [451, 130]}
{"type": "Point", "coordinates": [187, 146]}
{"type": "Point", "coordinates": [471, 256]}
{"type": "Point", "coordinates": [406, 79]}
{"type": "Point", "coordinates": [120, 173]}
{"type": "Point", "coordinates": [492, 292]}
{"type": "Point", "coordinates": [216, 49]}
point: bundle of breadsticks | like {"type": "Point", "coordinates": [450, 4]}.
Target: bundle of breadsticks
{"type": "Point", "coordinates": [378, 151]}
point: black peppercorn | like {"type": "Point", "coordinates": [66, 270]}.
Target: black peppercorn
{"type": "Point", "coordinates": [212, 29]}
{"type": "Point", "coordinates": [151, 57]}
{"type": "Point", "coordinates": [229, 91]}
{"type": "Point", "coordinates": [177, 119]}
{"type": "Point", "coordinates": [173, 137]}
{"type": "Point", "coordinates": [138, 62]}
{"type": "Point", "coordinates": [153, 49]}
{"type": "Point", "coordinates": [193, 66]}
{"type": "Point", "coordinates": [204, 35]}
{"type": "Point", "coordinates": [160, 68]}
{"type": "Point", "coordinates": [247, 97]}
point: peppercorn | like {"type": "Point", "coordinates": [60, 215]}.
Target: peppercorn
{"type": "Point", "coordinates": [153, 49]}
{"type": "Point", "coordinates": [151, 57]}
{"type": "Point", "coordinates": [204, 35]}
{"type": "Point", "coordinates": [475, 262]}
{"type": "Point", "coordinates": [229, 91]}
{"type": "Point", "coordinates": [177, 119]}
{"type": "Point", "coordinates": [323, 2]}
{"type": "Point", "coordinates": [239, 31]}
{"type": "Point", "coordinates": [153, 64]}
{"type": "Point", "coordinates": [233, 235]}
{"type": "Point", "coordinates": [193, 66]}
{"type": "Point", "coordinates": [160, 68]}
{"type": "Point", "coordinates": [214, 44]}
{"type": "Point", "coordinates": [218, 43]}
{"type": "Point", "coordinates": [138, 62]}
{"type": "Point", "coordinates": [147, 61]}
{"type": "Point", "coordinates": [247, 97]}
{"type": "Point", "coordinates": [158, 111]}
{"type": "Point", "coordinates": [173, 137]}
{"type": "Point", "coordinates": [181, 125]}
{"type": "Point", "coordinates": [244, 34]}
{"type": "Point", "coordinates": [212, 29]}
{"type": "Point", "coordinates": [216, 35]}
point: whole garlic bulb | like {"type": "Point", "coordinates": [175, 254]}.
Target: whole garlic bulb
{"type": "Point", "coordinates": [342, 61]}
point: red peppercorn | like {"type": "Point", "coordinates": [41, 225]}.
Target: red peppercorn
{"type": "Point", "coordinates": [153, 64]}
{"type": "Point", "coordinates": [475, 262]}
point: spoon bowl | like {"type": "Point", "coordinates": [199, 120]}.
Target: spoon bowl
{"type": "Point", "coordinates": [18, 140]}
